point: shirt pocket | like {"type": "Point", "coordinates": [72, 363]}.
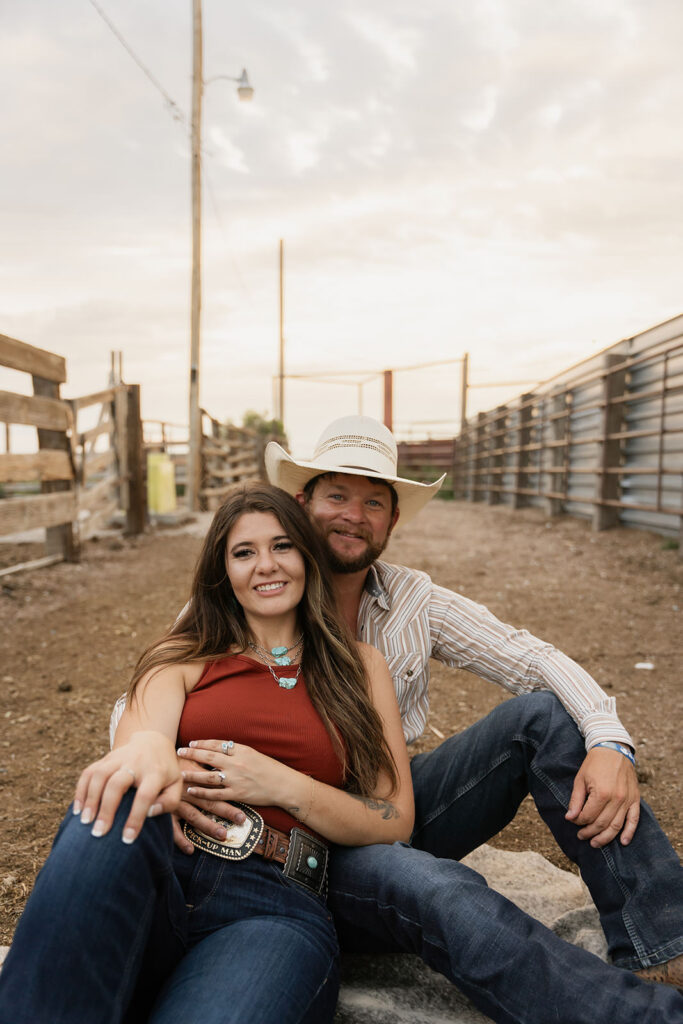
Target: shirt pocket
{"type": "Point", "coordinates": [407, 672]}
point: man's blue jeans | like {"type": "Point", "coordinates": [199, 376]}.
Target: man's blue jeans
{"type": "Point", "coordinates": [139, 933]}
{"type": "Point", "coordinates": [402, 899]}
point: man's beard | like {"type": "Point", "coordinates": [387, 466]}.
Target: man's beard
{"type": "Point", "coordinates": [349, 565]}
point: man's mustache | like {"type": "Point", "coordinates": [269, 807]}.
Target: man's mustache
{"type": "Point", "coordinates": [360, 532]}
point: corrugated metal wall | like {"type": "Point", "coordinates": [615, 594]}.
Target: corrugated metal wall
{"type": "Point", "coordinates": [603, 440]}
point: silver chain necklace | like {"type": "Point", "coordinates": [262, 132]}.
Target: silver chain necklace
{"type": "Point", "coordinates": [280, 655]}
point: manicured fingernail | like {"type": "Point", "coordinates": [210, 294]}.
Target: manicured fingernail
{"type": "Point", "coordinates": [193, 743]}
{"type": "Point", "coordinates": [184, 775]}
{"type": "Point", "coordinates": [98, 829]}
{"type": "Point", "coordinates": [78, 807]}
{"type": "Point", "coordinates": [154, 810]}
{"type": "Point", "coordinates": [190, 789]}
{"type": "Point", "coordinates": [181, 751]}
{"type": "Point", "coordinates": [86, 817]}
{"type": "Point", "coordinates": [128, 836]}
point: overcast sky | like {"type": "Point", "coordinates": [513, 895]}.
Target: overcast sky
{"type": "Point", "coordinates": [502, 177]}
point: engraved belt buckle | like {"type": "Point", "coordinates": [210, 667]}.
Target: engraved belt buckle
{"type": "Point", "coordinates": [240, 840]}
{"type": "Point", "coordinates": [307, 861]}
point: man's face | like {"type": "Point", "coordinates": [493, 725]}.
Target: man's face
{"type": "Point", "coordinates": [354, 516]}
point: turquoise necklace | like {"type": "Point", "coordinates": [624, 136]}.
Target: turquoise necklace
{"type": "Point", "coordinates": [280, 656]}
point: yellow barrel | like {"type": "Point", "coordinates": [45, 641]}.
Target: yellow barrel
{"type": "Point", "coordinates": [161, 498]}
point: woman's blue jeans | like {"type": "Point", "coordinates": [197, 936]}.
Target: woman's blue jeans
{"type": "Point", "coordinates": [115, 933]}
{"type": "Point", "coordinates": [419, 899]}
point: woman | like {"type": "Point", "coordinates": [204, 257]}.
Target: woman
{"type": "Point", "coordinates": [307, 734]}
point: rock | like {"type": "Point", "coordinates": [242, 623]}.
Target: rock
{"type": "Point", "coordinates": [396, 989]}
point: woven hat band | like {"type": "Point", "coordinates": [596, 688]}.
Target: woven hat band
{"type": "Point", "coordinates": [355, 451]}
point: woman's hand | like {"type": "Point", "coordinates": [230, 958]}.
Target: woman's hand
{"type": "Point", "coordinates": [148, 762]}
{"type": "Point", "coordinates": [244, 774]}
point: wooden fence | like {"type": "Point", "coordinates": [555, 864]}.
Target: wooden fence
{"type": "Point", "coordinates": [77, 478]}
{"type": "Point", "coordinates": [426, 461]}
{"type": "Point", "coordinates": [604, 440]}
{"type": "Point", "coordinates": [229, 455]}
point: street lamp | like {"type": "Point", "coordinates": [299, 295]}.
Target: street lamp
{"type": "Point", "coordinates": [245, 92]}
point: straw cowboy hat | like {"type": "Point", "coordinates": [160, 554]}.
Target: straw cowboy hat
{"type": "Point", "coordinates": [357, 445]}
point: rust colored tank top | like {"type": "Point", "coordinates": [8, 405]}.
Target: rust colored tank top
{"type": "Point", "coordinates": [237, 699]}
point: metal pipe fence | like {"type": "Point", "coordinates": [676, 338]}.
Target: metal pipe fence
{"type": "Point", "coordinates": [603, 440]}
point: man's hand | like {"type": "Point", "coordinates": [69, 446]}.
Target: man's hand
{"type": "Point", "coordinates": [605, 799]}
{"type": "Point", "coordinates": [191, 809]}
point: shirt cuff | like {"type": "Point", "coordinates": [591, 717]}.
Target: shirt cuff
{"type": "Point", "coordinates": [596, 729]}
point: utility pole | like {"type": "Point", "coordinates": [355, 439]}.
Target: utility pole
{"type": "Point", "coordinates": [245, 92]}
{"type": "Point", "coordinates": [464, 383]}
{"type": "Point", "coordinates": [194, 459]}
{"type": "Point", "coordinates": [281, 374]}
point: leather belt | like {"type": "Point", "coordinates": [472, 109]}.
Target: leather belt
{"type": "Point", "coordinates": [303, 857]}
{"type": "Point", "coordinates": [273, 845]}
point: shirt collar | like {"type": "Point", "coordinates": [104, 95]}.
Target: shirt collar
{"type": "Point", "coordinates": [374, 586]}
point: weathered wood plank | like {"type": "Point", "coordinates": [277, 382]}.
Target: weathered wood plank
{"type": "Point", "coordinates": [34, 411]}
{"type": "Point", "coordinates": [44, 465]}
{"type": "Point", "coordinates": [249, 469]}
{"type": "Point", "coordinates": [97, 396]}
{"type": "Point", "coordinates": [60, 539]}
{"type": "Point", "coordinates": [19, 514]}
{"type": "Point", "coordinates": [220, 491]}
{"type": "Point", "coordinates": [17, 355]}
{"type": "Point", "coordinates": [98, 462]}
{"type": "Point", "coordinates": [35, 563]}
{"type": "Point", "coordinates": [96, 520]}
{"type": "Point", "coordinates": [90, 498]}
{"type": "Point", "coordinates": [88, 436]}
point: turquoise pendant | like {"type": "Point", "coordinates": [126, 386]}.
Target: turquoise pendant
{"type": "Point", "coordinates": [286, 684]}
{"type": "Point", "coordinates": [283, 660]}
{"type": "Point", "coordinates": [278, 651]}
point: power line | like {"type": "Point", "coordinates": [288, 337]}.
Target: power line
{"type": "Point", "coordinates": [176, 113]}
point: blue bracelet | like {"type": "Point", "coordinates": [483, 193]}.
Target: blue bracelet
{"type": "Point", "coordinates": [621, 747]}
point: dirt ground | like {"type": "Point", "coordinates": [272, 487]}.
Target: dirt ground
{"type": "Point", "coordinates": [70, 634]}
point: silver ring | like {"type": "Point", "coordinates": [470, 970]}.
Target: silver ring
{"type": "Point", "coordinates": [221, 775]}
{"type": "Point", "coordinates": [228, 747]}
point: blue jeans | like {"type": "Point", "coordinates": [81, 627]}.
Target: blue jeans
{"type": "Point", "coordinates": [419, 899]}
{"type": "Point", "coordinates": [137, 933]}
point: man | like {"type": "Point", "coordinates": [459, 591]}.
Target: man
{"type": "Point", "coordinates": [420, 898]}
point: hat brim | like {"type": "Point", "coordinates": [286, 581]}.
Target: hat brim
{"type": "Point", "coordinates": [292, 475]}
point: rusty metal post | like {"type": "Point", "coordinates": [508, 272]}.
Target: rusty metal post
{"type": "Point", "coordinates": [389, 398]}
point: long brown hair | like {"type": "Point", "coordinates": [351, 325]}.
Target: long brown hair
{"type": "Point", "coordinates": [213, 621]}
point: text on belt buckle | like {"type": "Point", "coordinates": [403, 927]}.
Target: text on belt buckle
{"type": "Point", "coordinates": [240, 840]}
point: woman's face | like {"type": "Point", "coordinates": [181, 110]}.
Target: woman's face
{"type": "Point", "coordinates": [266, 571]}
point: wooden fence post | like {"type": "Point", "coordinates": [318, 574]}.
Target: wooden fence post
{"type": "Point", "coordinates": [480, 476]}
{"type": "Point", "coordinates": [522, 461]}
{"type": "Point", "coordinates": [63, 539]}
{"type": "Point", "coordinates": [496, 458]}
{"type": "Point", "coordinates": [136, 512]}
{"type": "Point", "coordinates": [389, 399]}
{"type": "Point", "coordinates": [559, 454]}
{"type": "Point", "coordinates": [608, 485]}
{"type": "Point", "coordinates": [120, 417]}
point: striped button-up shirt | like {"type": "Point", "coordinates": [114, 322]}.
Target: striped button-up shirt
{"type": "Point", "coordinates": [410, 620]}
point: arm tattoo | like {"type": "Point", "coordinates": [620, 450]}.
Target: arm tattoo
{"type": "Point", "coordinates": [374, 803]}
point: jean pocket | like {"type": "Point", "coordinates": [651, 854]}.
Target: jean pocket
{"type": "Point", "coordinates": [204, 881]}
